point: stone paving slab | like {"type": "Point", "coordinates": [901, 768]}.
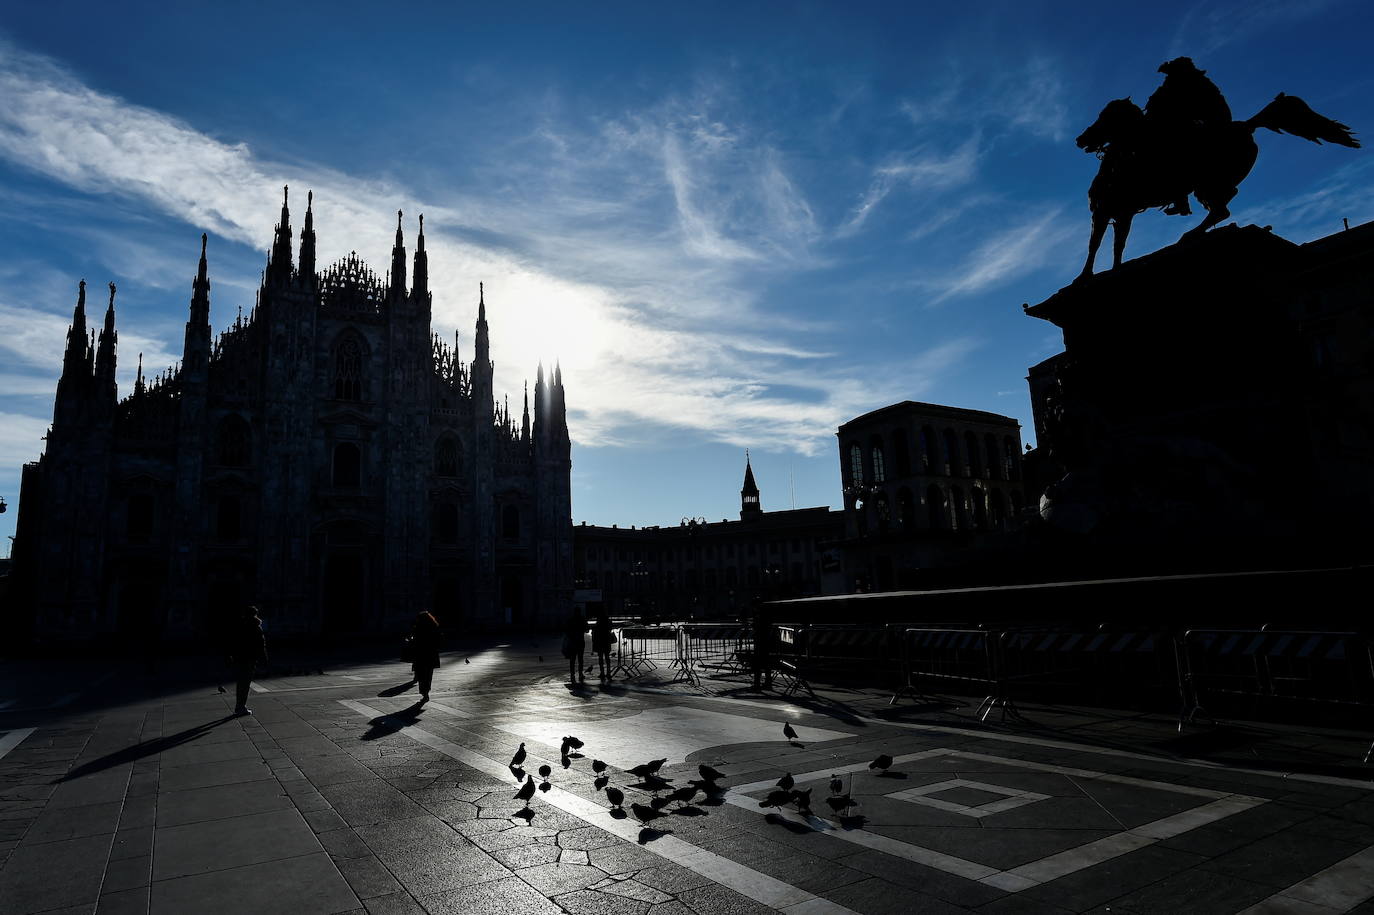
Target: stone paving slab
{"type": "Point", "coordinates": [381, 805]}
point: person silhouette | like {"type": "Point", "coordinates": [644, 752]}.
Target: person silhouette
{"type": "Point", "coordinates": [247, 649]}
{"type": "Point", "coordinates": [575, 646]}
{"type": "Point", "coordinates": [424, 648]}
{"type": "Point", "coordinates": [602, 640]}
{"type": "Point", "coordinates": [1185, 106]}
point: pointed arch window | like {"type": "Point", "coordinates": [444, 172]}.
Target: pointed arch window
{"type": "Point", "coordinates": [975, 466]}
{"type": "Point", "coordinates": [879, 461]}
{"type": "Point", "coordinates": [348, 368]}
{"type": "Point", "coordinates": [856, 464]}
{"type": "Point", "coordinates": [446, 457]}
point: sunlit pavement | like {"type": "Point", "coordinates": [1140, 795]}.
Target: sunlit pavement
{"type": "Point", "coordinates": [121, 791]}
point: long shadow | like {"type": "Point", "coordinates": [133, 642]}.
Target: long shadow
{"type": "Point", "coordinates": [395, 690]}
{"type": "Point", "coordinates": [140, 750]}
{"type": "Point", "coordinates": [390, 724]}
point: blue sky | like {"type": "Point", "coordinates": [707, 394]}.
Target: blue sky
{"type": "Point", "coordinates": [736, 225]}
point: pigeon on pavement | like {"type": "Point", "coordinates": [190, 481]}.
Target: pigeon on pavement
{"type": "Point", "coordinates": [788, 732]}
{"type": "Point", "coordinates": [836, 784]}
{"type": "Point", "coordinates": [709, 774]}
{"type": "Point", "coordinates": [518, 758]}
{"type": "Point", "coordinates": [840, 803]}
{"type": "Point", "coordinates": [615, 795]}
{"type": "Point", "coordinates": [644, 814]}
{"type": "Point", "coordinates": [786, 782]}
{"type": "Point", "coordinates": [526, 791]}
{"type": "Point", "coordinates": [598, 766]}
{"type": "Point", "coordinates": [803, 800]}
{"type": "Point", "coordinates": [881, 763]}
{"type": "Point", "coordinates": [776, 799]}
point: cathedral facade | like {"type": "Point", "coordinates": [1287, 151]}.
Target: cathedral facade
{"type": "Point", "coordinates": [327, 457]}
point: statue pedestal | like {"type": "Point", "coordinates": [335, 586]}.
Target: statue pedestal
{"type": "Point", "coordinates": [1182, 410]}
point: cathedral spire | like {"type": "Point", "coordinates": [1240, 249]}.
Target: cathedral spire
{"type": "Point", "coordinates": [419, 287]}
{"type": "Point", "coordinates": [76, 334]}
{"type": "Point", "coordinates": [306, 271]}
{"type": "Point", "coordinates": [398, 263]}
{"type": "Point", "coordinates": [200, 289]}
{"type": "Point", "coordinates": [279, 265]}
{"type": "Point", "coordinates": [105, 357]}
{"type": "Point", "coordinates": [525, 422]}
{"type": "Point", "coordinates": [139, 386]}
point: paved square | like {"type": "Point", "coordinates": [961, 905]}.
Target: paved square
{"type": "Point", "coordinates": [1010, 800]}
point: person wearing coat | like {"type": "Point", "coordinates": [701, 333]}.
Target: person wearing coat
{"type": "Point", "coordinates": [247, 649]}
{"type": "Point", "coordinates": [424, 646]}
{"type": "Point", "coordinates": [575, 646]}
{"type": "Point", "coordinates": [602, 640]}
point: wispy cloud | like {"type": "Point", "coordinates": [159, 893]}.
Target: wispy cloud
{"type": "Point", "coordinates": [631, 260]}
{"type": "Point", "coordinates": [1213, 24]}
{"type": "Point", "coordinates": [922, 170]}
{"type": "Point", "coordinates": [1013, 252]}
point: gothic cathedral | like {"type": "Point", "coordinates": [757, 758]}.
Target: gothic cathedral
{"type": "Point", "coordinates": [327, 458]}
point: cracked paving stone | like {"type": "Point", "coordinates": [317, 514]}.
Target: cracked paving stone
{"type": "Point", "coordinates": [633, 889]}
{"type": "Point", "coordinates": [573, 856]}
{"type": "Point", "coordinates": [671, 878]}
{"type": "Point", "coordinates": [590, 902]}
{"type": "Point", "coordinates": [586, 838]}
{"type": "Point", "coordinates": [719, 900]}
{"type": "Point", "coordinates": [556, 879]}
{"type": "Point", "coordinates": [510, 895]}
{"type": "Point", "coordinates": [526, 855]}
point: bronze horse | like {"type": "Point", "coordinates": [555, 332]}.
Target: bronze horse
{"type": "Point", "coordinates": [1140, 170]}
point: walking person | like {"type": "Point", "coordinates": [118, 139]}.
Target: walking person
{"type": "Point", "coordinates": [247, 649]}
{"type": "Point", "coordinates": [575, 646]}
{"type": "Point", "coordinates": [602, 640]}
{"type": "Point", "coordinates": [424, 648]}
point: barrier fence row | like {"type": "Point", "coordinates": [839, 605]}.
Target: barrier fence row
{"type": "Point", "coordinates": [1252, 670]}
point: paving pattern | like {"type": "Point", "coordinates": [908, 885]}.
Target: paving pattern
{"type": "Point", "coordinates": [342, 794]}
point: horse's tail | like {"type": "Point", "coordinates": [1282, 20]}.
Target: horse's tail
{"type": "Point", "coordinates": [1290, 114]}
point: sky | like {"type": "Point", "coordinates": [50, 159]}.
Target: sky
{"type": "Point", "coordinates": [734, 225]}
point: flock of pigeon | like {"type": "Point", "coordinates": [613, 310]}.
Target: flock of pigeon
{"type": "Point", "coordinates": [840, 801]}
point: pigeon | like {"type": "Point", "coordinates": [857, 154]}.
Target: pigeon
{"type": "Point", "coordinates": [644, 814]}
{"type": "Point", "coordinates": [656, 764]}
{"type": "Point", "coordinates": [545, 786]}
{"type": "Point", "coordinates": [684, 794]}
{"type": "Point", "coordinates": [545, 771]}
{"type": "Point", "coordinates": [563, 749]}
{"type": "Point", "coordinates": [220, 688]}
{"type": "Point", "coordinates": [600, 782]}
{"type": "Point", "coordinates": [836, 784]}
{"type": "Point", "coordinates": [658, 803]}
{"type": "Point", "coordinates": [802, 799]}
{"type": "Point", "coordinates": [615, 795]}
{"type": "Point", "coordinates": [788, 732]}
{"type": "Point", "coordinates": [643, 770]}
{"type": "Point", "coordinates": [786, 782]}
{"type": "Point", "coordinates": [840, 803]}
{"type": "Point", "coordinates": [598, 766]}
{"type": "Point", "coordinates": [518, 758]}
{"type": "Point", "coordinates": [709, 774]}
{"type": "Point", "coordinates": [466, 661]}
{"type": "Point", "coordinates": [881, 763]}
{"type": "Point", "coordinates": [776, 799]}
{"type": "Point", "coordinates": [526, 791]}
{"type": "Point", "coordinates": [573, 742]}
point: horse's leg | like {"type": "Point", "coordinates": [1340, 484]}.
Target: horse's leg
{"type": "Point", "coordinates": [1119, 234]}
{"type": "Point", "coordinates": [1094, 242]}
{"type": "Point", "coordinates": [1216, 212]}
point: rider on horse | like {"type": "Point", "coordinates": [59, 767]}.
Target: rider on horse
{"type": "Point", "coordinates": [1180, 111]}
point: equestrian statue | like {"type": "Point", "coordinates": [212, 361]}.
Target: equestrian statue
{"type": "Point", "coordinates": [1183, 143]}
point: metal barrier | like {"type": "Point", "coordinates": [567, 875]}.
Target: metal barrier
{"type": "Point", "coordinates": [1335, 668]}
{"type": "Point", "coordinates": [964, 657]}
{"type": "Point", "coordinates": [1087, 660]}
{"type": "Point", "coordinates": [643, 648]}
{"type": "Point", "coordinates": [721, 648]}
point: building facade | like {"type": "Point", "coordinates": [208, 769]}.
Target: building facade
{"type": "Point", "coordinates": [709, 570]}
{"type": "Point", "coordinates": [327, 457]}
{"type": "Point", "coordinates": [922, 481]}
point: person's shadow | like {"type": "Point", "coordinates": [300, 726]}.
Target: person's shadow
{"type": "Point", "coordinates": [396, 690]}
{"type": "Point", "coordinates": [383, 725]}
{"type": "Point", "coordinates": [140, 750]}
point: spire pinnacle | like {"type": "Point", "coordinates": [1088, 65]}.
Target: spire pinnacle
{"type": "Point", "coordinates": [420, 241]}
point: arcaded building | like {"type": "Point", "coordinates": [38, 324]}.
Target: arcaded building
{"type": "Point", "coordinates": [922, 481]}
{"type": "Point", "coordinates": [327, 457]}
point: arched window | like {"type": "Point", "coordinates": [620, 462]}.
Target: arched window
{"type": "Point", "coordinates": [929, 459]}
{"type": "Point", "coordinates": [906, 510]}
{"type": "Point", "coordinates": [510, 522]}
{"type": "Point", "coordinates": [879, 463]}
{"type": "Point", "coordinates": [980, 507]}
{"type": "Point", "coordinates": [347, 465]}
{"type": "Point", "coordinates": [902, 451]}
{"type": "Point", "coordinates": [348, 368]}
{"type": "Point", "coordinates": [960, 505]}
{"type": "Point", "coordinates": [995, 469]}
{"type": "Point", "coordinates": [235, 439]}
{"type": "Point", "coordinates": [999, 510]}
{"type": "Point", "coordinates": [938, 511]}
{"type": "Point", "coordinates": [446, 457]}
{"type": "Point", "coordinates": [975, 466]}
{"type": "Point", "coordinates": [228, 520]}
{"type": "Point", "coordinates": [953, 466]}
{"type": "Point", "coordinates": [446, 522]}
{"type": "Point", "coordinates": [139, 518]}
{"type": "Point", "coordinates": [856, 464]}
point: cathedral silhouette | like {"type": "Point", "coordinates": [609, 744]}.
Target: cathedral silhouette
{"type": "Point", "coordinates": [327, 457]}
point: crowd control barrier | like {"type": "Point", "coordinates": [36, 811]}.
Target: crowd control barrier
{"type": "Point", "coordinates": [644, 648]}
{"type": "Point", "coordinates": [950, 657]}
{"type": "Point", "coordinates": [718, 648]}
{"type": "Point", "coordinates": [1277, 667]}
{"type": "Point", "coordinates": [1089, 661]}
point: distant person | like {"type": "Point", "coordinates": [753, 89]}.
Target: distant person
{"type": "Point", "coordinates": [762, 653]}
{"type": "Point", "coordinates": [424, 651]}
{"type": "Point", "coordinates": [575, 646]}
{"type": "Point", "coordinates": [247, 649]}
{"type": "Point", "coordinates": [602, 639]}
